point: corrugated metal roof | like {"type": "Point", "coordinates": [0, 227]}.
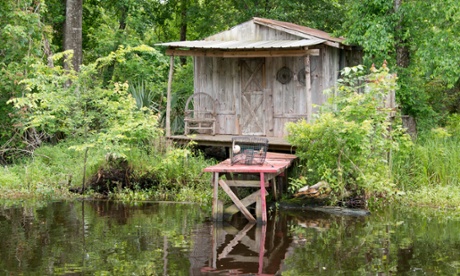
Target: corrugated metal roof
{"type": "Point", "coordinates": [296, 28]}
{"type": "Point", "coordinates": [240, 45]}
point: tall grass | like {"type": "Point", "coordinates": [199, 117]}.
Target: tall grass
{"type": "Point", "coordinates": [48, 173]}
{"type": "Point", "coordinates": [430, 174]}
{"type": "Point", "coordinates": [433, 161]}
{"type": "Point", "coordinates": [171, 173]}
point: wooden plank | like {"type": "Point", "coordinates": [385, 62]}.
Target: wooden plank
{"type": "Point", "coordinates": [247, 241]}
{"type": "Point", "coordinates": [252, 117]}
{"type": "Point", "coordinates": [236, 200]}
{"type": "Point", "coordinates": [289, 116]}
{"type": "Point", "coordinates": [274, 143]}
{"type": "Point", "coordinates": [269, 176]}
{"type": "Point", "coordinates": [262, 198]}
{"type": "Point", "coordinates": [274, 164]}
{"type": "Point", "coordinates": [238, 258]}
{"type": "Point", "coordinates": [220, 211]}
{"type": "Point", "coordinates": [215, 237]}
{"type": "Point", "coordinates": [215, 200]}
{"type": "Point", "coordinates": [244, 183]}
{"type": "Point", "coordinates": [308, 88]}
{"type": "Point", "coordinates": [252, 74]}
{"type": "Point", "coordinates": [168, 97]}
{"type": "Point", "coordinates": [235, 241]}
{"type": "Point", "coordinates": [259, 211]}
{"type": "Point", "coordinates": [250, 199]}
{"type": "Point", "coordinates": [243, 53]}
{"type": "Point", "coordinates": [269, 111]}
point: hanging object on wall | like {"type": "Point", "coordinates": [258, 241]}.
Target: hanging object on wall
{"type": "Point", "coordinates": [284, 75]}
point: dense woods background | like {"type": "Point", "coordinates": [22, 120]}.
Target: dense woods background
{"type": "Point", "coordinates": [418, 39]}
{"type": "Point", "coordinates": [68, 69]}
{"type": "Point", "coordinates": [67, 66]}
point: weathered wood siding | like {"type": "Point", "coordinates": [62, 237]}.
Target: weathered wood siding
{"type": "Point", "coordinates": [282, 103]}
{"type": "Point", "coordinates": [290, 98]}
{"type": "Point", "coordinates": [221, 79]}
{"type": "Point", "coordinates": [251, 31]}
{"type": "Point", "coordinates": [224, 78]}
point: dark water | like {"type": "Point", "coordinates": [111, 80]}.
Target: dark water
{"type": "Point", "coordinates": [112, 238]}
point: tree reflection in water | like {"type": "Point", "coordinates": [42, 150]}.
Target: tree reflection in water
{"type": "Point", "coordinates": [103, 237]}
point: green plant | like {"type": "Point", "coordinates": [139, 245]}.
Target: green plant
{"type": "Point", "coordinates": [431, 164]}
{"type": "Point", "coordinates": [350, 142]}
{"type": "Point", "coordinates": [144, 96]}
{"type": "Point", "coordinates": [296, 183]}
{"type": "Point", "coordinates": [75, 104]}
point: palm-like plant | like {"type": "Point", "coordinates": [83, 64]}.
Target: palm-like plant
{"type": "Point", "coordinates": [144, 96]}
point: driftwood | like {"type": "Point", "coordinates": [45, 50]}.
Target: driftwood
{"type": "Point", "coordinates": [320, 190]}
{"type": "Point", "coordinates": [317, 197]}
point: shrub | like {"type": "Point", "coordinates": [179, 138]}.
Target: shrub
{"type": "Point", "coordinates": [350, 142]}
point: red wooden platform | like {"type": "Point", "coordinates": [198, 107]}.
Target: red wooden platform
{"type": "Point", "coordinates": [275, 165]}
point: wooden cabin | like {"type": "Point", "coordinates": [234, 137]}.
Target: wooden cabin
{"type": "Point", "coordinates": [264, 73]}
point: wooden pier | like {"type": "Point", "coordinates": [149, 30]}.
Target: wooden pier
{"type": "Point", "coordinates": [253, 176]}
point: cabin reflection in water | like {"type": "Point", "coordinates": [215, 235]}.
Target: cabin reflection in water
{"type": "Point", "coordinates": [239, 247]}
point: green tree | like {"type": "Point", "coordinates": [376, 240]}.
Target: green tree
{"type": "Point", "coordinates": [410, 36]}
{"type": "Point", "coordinates": [326, 15]}
{"type": "Point", "coordinates": [22, 39]}
{"type": "Point", "coordinates": [85, 110]}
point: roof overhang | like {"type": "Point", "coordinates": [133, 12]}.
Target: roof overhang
{"type": "Point", "coordinates": [264, 48]}
{"type": "Point", "coordinates": [300, 31]}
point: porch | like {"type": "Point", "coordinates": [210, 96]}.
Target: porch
{"type": "Point", "coordinates": [275, 144]}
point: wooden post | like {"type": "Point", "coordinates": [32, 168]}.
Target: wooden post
{"type": "Point", "coordinates": [168, 97]}
{"type": "Point", "coordinates": [215, 201]}
{"type": "Point", "coordinates": [262, 198]}
{"type": "Point", "coordinates": [214, 244]}
{"type": "Point", "coordinates": [308, 87]}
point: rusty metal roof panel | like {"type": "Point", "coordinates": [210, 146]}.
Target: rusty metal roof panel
{"type": "Point", "coordinates": [297, 29]}
{"type": "Point", "coordinates": [244, 45]}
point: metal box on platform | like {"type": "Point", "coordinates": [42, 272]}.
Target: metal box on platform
{"type": "Point", "coordinates": [248, 150]}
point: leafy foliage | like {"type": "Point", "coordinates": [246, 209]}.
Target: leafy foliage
{"type": "Point", "coordinates": [348, 145]}
{"type": "Point", "coordinates": [75, 104]}
{"type": "Point", "coordinates": [428, 80]}
{"type": "Point", "coordinates": [21, 36]}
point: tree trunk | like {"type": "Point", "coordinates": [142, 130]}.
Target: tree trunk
{"type": "Point", "coordinates": [73, 31]}
{"type": "Point", "coordinates": [183, 28]}
{"type": "Point", "coordinates": [402, 51]}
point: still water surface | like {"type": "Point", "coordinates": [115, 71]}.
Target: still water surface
{"type": "Point", "coordinates": [112, 238]}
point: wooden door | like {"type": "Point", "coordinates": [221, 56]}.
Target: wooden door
{"type": "Point", "coordinates": [252, 96]}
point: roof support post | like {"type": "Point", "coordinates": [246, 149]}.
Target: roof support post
{"type": "Point", "coordinates": [308, 87]}
{"type": "Point", "coordinates": [168, 97]}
